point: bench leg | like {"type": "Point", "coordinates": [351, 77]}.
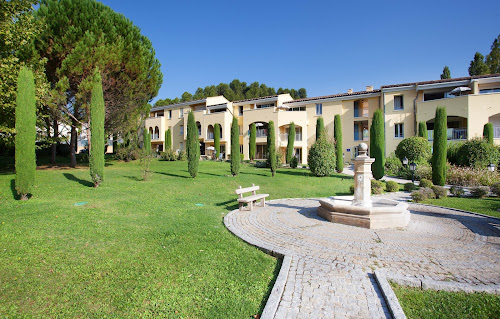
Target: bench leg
{"type": "Point", "coordinates": [263, 202]}
{"type": "Point", "coordinates": [250, 205]}
{"type": "Point", "coordinates": [241, 206]}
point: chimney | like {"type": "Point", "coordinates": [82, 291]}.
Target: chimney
{"type": "Point", "coordinates": [349, 91]}
{"type": "Point", "coordinates": [369, 88]}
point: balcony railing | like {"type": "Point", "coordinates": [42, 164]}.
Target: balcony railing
{"type": "Point", "coordinates": [261, 133]}
{"type": "Point", "coordinates": [155, 136]}
{"type": "Point", "coordinates": [496, 131]}
{"type": "Point", "coordinates": [451, 134]}
{"type": "Point", "coordinates": [210, 136]}
{"type": "Point", "coordinates": [284, 137]}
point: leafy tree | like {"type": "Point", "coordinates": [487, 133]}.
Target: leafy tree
{"type": "Point", "coordinates": [422, 130]}
{"type": "Point", "coordinates": [253, 144]}
{"type": "Point", "coordinates": [198, 95]}
{"type": "Point", "coordinates": [289, 146]}
{"type": "Point", "coordinates": [81, 35]}
{"type": "Point", "coordinates": [493, 59]}
{"type": "Point", "coordinates": [25, 133]}
{"type": "Point", "coordinates": [186, 97]}
{"type": "Point", "coordinates": [320, 127]}
{"type": "Point", "coordinates": [488, 132]}
{"type": "Point", "coordinates": [377, 144]}
{"type": "Point", "coordinates": [96, 152]}
{"type": "Point", "coordinates": [337, 135]}
{"type": "Point", "coordinates": [302, 93]}
{"type": "Point", "coordinates": [446, 73]}
{"type": "Point", "coordinates": [271, 148]}
{"type": "Point", "coordinates": [217, 140]}
{"type": "Point", "coordinates": [210, 91]}
{"type": "Point", "coordinates": [193, 146]}
{"type": "Point", "coordinates": [439, 147]}
{"type": "Point", "coordinates": [477, 66]}
{"type": "Point", "coordinates": [147, 143]}
{"type": "Point", "coordinates": [321, 157]}
{"type": "Point", "coordinates": [168, 139]}
{"type": "Point", "coordinates": [235, 148]}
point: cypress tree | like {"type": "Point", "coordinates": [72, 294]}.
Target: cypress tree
{"type": "Point", "coordinates": [96, 152]}
{"type": "Point", "coordinates": [253, 145]}
{"type": "Point", "coordinates": [377, 144]}
{"type": "Point", "coordinates": [193, 146]}
{"type": "Point", "coordinates": [217, 140]}
{"type": "Point", "coordinates": [439, 147]}
{"type": "Point", "coordinates": [488, 132]}
{"type": "Point", "coordinates": [235, 147]}
{"type": "Point", "coordinates": [337, 135]}
{"type": "Point", "coordinates": [147, 143]}
{"type": "Point", "coordinates": [25, 133]}
{"type": "Point", "coordinates": [168, 139]}
{"type": "Point", "coordinates": [271, 148]}
{"type": "Point", "coordinates": [422, 130]}
{"type": "Point", "coordinates": [289, 146]}
{"type": "Point", "coordinates": [320, 127]}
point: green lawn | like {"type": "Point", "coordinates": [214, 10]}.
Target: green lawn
{"type": "Point", "coordinates": [418, 303]}
{"type": "Point", "coordinates": [486, 206]}
{"type": "Point", "coordinates": [138, 249]}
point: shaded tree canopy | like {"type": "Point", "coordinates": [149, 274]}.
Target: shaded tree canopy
{"type": "Point", "coordinates": [489, 64]}
{"type": "Point", "coordinates": [234, 91]}
{"type": "Point", "coordinates": [446, 73]}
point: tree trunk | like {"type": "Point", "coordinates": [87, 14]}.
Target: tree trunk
{"type": "Point", "coordinates": [53, 147]}
{"type": "Point", "coordinates": [72, 144]}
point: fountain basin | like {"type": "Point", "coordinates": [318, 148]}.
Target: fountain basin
{"type": "Point", "coordinates": [377, 214]}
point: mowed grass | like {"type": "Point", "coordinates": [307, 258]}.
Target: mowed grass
{"type": "Point", "coordinates": [139, 249]}
{"type": "Point", "coordinates": [486, 206]}
{"type": "Point", "coordinates": [431, 304]}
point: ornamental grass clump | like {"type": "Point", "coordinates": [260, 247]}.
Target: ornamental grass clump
{"type": "Point", "coordinates": [321, 157]}
{"type": "Point", "coordinates": [480, 191]}
{"type": "Point", "coordinates": [457, 191]}
{"type": "Point", "coordinates": [468, 176]}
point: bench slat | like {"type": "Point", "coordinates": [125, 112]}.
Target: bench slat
{"type": "Point", "coordinates": [246, 190]}
{"type": "Point", "coordinates": [252, 198]}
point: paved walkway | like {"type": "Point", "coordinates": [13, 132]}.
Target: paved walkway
{"type": "Point", "coordinates": [332, 265]}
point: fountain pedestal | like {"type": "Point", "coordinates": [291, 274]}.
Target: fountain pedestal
{"type": "Point", "coordinates": [361, 210]}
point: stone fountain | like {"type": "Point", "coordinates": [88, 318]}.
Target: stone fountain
{"type": "Point", "coordinates": [361, 210]}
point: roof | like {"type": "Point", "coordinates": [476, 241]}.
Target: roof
{"type": "Point", "coordinates": [332, 96]}
{"type": "Point", "coordinates": [257, 98]}
{"type": "Point", "coordinates": [169, 106]}
{"type": "Point", "coordinates": [442, 81]}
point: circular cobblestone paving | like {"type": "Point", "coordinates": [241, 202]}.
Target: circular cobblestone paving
{"type": "Point", "coordinates": [332, 264]}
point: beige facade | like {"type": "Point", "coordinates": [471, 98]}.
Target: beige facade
{"type": "Point", "coordinates": [403, 105]}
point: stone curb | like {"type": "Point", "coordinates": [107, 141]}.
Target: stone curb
{"type": "Point", "coordinates": [456, 210]}
{"type": "Point", "coordinates": [277, 292]}
{"type": "Point", "coordinates": [389, 296]}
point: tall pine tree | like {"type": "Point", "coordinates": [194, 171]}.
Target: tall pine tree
{"type": "Point", "coordinates": [25, 133]}
{"type": "Point", "coordinates": [377, 144]}
{"type": "Point", "coordinates": [337, 135]}
{"type": "Point", "coordinates": [446, 73]}
{"type": "Point", "coordinates": [439, 147]}
{"type": "Point", "coordinates": [193, 146]}
{"type": "Point", "coordinates": [96, 159]}
{"type": "Point", "coordinates": [235, 148]}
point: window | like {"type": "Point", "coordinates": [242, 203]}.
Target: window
{"type": "Point", "coordinates": [399, 130]}
{"type": "Point", "coordinates": [181, 146]}
{"type": "Point", "coordinates": [182, 130]}
{"type": "Point", "coordinates": [398, 103]}
{"type": "Point", "coordinates": [169, 114]}
{"type": "Point", "coordinates": [181, 113]}
{"type": "Point", "coordinates": [263, 106]}
{"type": "Point", "coordinates": [241, 149]}
{"type": "Point", "coordinates": [296, 109]}
{"type": "Point", "coordinates": [240, 109]}
{"type": "Point", "coordinates": [319, 109]}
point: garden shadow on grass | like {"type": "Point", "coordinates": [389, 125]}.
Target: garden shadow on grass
{"type": "Point", "coordinates": [229, 204]}
{"type": "Point", "coordinates": [83, 182]}
{"type": "Point", "coordinates": [171, 174]}
{"type": "Point", "coordinates": [14, 192]}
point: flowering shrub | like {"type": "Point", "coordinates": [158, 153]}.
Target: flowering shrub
{"type": "Point", "coordinates": [468, 176]}
{"type": "Point", "coordinates": [439, 191]}
{"type": "Point", "coordinates": [423, 194]}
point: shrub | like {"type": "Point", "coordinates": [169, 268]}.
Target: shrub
{"type": "Point", "coordinates": [377, 187]}
{"type": "Point", "coordinates": [168, 139]}
{"type": "Point", "coordinates": [169, 155]}
{"type": "Point", "coordinates": [495, 189]}
{"type": "Point", "coordinates": [424, 170]}
{"type": "Point", "coordinates": [439, 147]}
{"type": "Point", "coordinates": [393, 165]}
{"type": "Point", "coordinates": [25, 139]}
{"type": "Point", "coordinates": [410, 187]}
{"type": "Point", "coordinates": [291, 139]}
{"type": "Point", "coordinates": [423, 194]}
{"type": "Point", "coordinates": [337, 136]}
{"type": "Point", "coordinates": [457, 191]}
{"type": "Point", "coordinates": [478, 153]}
{"type": "Point", "coordinates": [147, 142]}
{"type": "Point", "coordinates": [253, 136]}
{"type": "Point", "coordinates": [488, 133]}
{"type": "Point", "coordinates": [261, 164]}
{"type": "Point", "coordinates": [182, 156]}
{"type": "Point", "coordinates": [377, 144]}
{"type": "Point", "coordinates": [320, 127]}
{"type": "Point", "coordinates": [468, 176]}
{"type": "Point", "coordinates": [439, 191]}
{"type": "Point", "coordinates": [126, 154]}
{"type": "Point", "coordinates": [415, 149]}
{"type": "Point", "coordinates": [351, 189]}
{"type": "Point", "coordinates": [425, 183]}
{"type": "Point", "coordinates": [321, 157]}
{"type": "Point", "coordinates": [193, 147]}
{"type": "Point", "coordinates": [391, 186]}
{"type": "Point", "coordinates": [235, 148]}
{"type": "Point", "coordinates": [479, 191]}
{"type": "Point", "coordinates": [271, 148]}
{"type": "Point", "coordinates": [294, 162]}
{"type": "Point", "coordinates": [96, 160]}
{"type": "Point", "coordinates": [452, 153]}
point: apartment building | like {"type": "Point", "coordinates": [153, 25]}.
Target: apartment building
{"type": "Point", "coordinates": [470, 103]}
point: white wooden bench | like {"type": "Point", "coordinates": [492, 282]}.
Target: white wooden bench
{"type": "Point", "coordinates": [250, 200]}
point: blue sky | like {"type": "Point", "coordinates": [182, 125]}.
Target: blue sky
{"type": "Point", "coordinates": [325, 46]}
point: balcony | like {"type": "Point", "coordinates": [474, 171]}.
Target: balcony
{"type": "Point", "coordinates": [496, 131]}
{"type": "Point", "coordinates": [284, 137]}
{"type": "Point", "coordinates": [453, 134]}
{"type": "Point", "coordinates": [261, 133]}
{"type": "Point", "coordinates": [210, 135]}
